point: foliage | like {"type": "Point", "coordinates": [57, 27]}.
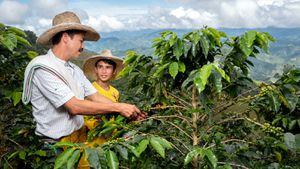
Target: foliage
{"type": "Point", "coordinates": [205, 111]}
{"type": "Point", "coordinates": [19, 145]}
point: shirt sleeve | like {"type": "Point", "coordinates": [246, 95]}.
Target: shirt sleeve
{"type": "Point", "coordinates": [89, 89]}
{"type": "Point", "coordinates": [52, 87]}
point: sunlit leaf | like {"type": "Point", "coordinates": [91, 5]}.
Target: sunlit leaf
{"type": "Point", "coordinates": [16, 97]}
{"type": "Point", "coordinates": [142, 146]}
{"type": "Point", "coordinates": [112, 160]}
{"type": "Point", "coordinates": [158, 148]}
{"type": "Point", "coordinates": [211, 157]}
{"type": "Point", "coordinates": [9, 41]}
{"type": "Point", "coordinates": [122, 151]}
{"type": "Point", "coordinates": [63, 158]}
{"type": "Point", "coordinates": [173, 69]}
{"type": "Point", "coordinates": [192, 154]}
{"type": "Point", "coordinates": [181, 67]}
{"type": "Point", "coordinates": [246, 42]}
{"type": "Point", "coordinates": [92, 156]}
{"type": "Point", "coordinates": [74, 159]}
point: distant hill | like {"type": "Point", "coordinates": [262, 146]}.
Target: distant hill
{"type": "Point", "coordinates": [286, 49]}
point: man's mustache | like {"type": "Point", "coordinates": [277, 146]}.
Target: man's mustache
{"type": "Point", "coordinates": [80, 50]}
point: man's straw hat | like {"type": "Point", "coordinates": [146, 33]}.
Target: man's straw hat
{"type": "Point", "coordinates": [66, 21]}
{"type": "Point", "coordinates": [89, 64]}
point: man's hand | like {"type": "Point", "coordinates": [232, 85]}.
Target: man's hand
{"type": "Point", "coordinates": [128, 110]}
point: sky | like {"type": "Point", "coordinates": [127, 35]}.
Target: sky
{"type": "Point", "coordinates": [115, 15]}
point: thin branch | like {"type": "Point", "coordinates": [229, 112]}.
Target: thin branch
{"type": "Point", "coordinates": [171, 116]}
{"type": "Point", "coordinates": [180, 99]}
{"type": "Point", "coordinates": [14, 142]}
{"type": "Point", "coordinates": [165, 107]}
{"type": "Point", "coordinates": [174, 138]}
{"type": "Point", "coordinates": [233, 164]}
{"type": "Point", "coordinates": [226, 141]}
{"type": "Point", "coordinates": [234, 99]}
{"type": "Point", "coordinates": [180, 130]}
{"type": "Point", "coordinates": [252, 121]}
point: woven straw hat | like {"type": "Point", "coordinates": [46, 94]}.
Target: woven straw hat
{"type": "Point", "coordinates": [66, 21]}
{"type": "Point", "coordinates": [89, 64]}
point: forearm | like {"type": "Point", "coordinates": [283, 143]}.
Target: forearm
{"type": "Point", "coordinates": [87, 107]}
{"type": "Point", "coordinates": [98, 98]}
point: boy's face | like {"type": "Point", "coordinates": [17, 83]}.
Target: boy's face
{"type": "Point", "coordinates": [104, 71]}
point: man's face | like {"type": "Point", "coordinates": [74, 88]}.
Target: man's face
{"type": "Point", "coordinates": [75, 45]}
{"type": "Point", "coordinates": [104, 71]}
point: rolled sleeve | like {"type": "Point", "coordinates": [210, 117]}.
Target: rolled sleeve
{"type": "Point", "coordinates": [52, 87]}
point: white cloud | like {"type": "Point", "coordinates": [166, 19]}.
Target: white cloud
{"type": "Point", "coordinates": [48, 8]}
{"type": "Point", "coordinates": [105, 23]}
{"type": "Point", "coordinates": [12, 12]}
{"type": "Point", "coordinates": [180, 14]}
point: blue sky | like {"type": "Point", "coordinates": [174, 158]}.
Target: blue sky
{"type": "Point", "coordinates": [113, 15]}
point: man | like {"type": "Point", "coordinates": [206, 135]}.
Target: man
{"type": "Point", "coordinates": [58, 90]}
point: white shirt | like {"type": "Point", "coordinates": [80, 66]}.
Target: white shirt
{"type": "Point", "coordinates": [49, 94]}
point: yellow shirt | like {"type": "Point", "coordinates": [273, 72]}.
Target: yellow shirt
{"type": "Point", "coordinates": [112, 93]}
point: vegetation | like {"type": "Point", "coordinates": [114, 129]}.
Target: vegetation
{"type": "Point", "coordinates": [204, 109]}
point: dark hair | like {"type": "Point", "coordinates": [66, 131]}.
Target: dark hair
{"type": "Point", "coordinates": [57, 37]}
{"type": "Point", "coordinates": [108, 61]}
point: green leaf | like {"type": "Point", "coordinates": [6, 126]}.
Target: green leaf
{"type": "Point", "coordinates": [173, 69]}
{"type": "Point", "coordinates": [163, 142]}
{"type": "Point", "coordinates": [92, 156]}
{"type": "Point", "coordinates": [226, 166]}
{"type": "Point", "coordinates": [142, 146]}
{"type": "Point", "coordinates": [292, 124]}
{"type": "Point", "coordinates": [16, 97]}
{"type": "Point", "coordinates": [181, 67]}
{"type": "Point", "coordinates": [274, 102]}
{"type": "Point", "coordinates": [131, 148]}
{"type": "Point", "coordinates": [160, 69]}
{"type": "Point", "coordinates": [22, 41]}
{"type": "Point", "coordinates": [63, 158]}
{"type": "Point", "coordinates": [17, 31]}
{"type": "Point", "coordinates": [297, 141]}
{"type": "Point", "coordinates": [201, 78]}
{"type": "Point", "coordinates": [108, 130]}
{"type": "Point", "coordinates": [32, 54]}
{"type": "Point", "coordinates": [65, 144]}
{"type": "Point", "coordinates": [289, 140]}
{"type": "Point", "coordinates": [222, 73]}
{"type": "Point", "coordinates": [246, 42]}
{"type": "Point", "coordinates": [102, 157]}
{"type": "Point", "coordinates": [130, 57]}
{"type": "Point", "coordinates": [122, 151]}
{"type": "Point", "coordinates": [211, 157]}
{"type": "Point", "coordinates": [22, 155]}
{"type": "Point", "coordinates": [178, 49]}
{"type": "Point", "coordinates": [217, 82]}
{"type": "Point", "coordinates": [112, 160]}
{"type": "Point", "coordinates": [204, 45]}
{"type": "Point", "coordinates": [173, 39]}
{"type": "Point", "coordinates": [157, 147]}
{"type": "Point", "coordinates": [192, 154]}
{"type": "Point", "coordinates": [9, 41]}
{"type": "Point", "coordinates": [74, 159]}
{"type": "Point", "coordinates": [40, 153]}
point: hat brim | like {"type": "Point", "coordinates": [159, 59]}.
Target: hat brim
{"type": "Point", "coordinates": [89, 65]}
{"type": "Point", "coordinates": [45, 38]}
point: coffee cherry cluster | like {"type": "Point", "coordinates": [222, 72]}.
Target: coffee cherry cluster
{"type": "Point", "coordinates": [277, 131]}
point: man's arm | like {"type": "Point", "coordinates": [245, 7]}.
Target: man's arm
{"type": "Point", "coordinates": [87, 107]}
{"type": "Point", "coordinates": [96, 97]}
